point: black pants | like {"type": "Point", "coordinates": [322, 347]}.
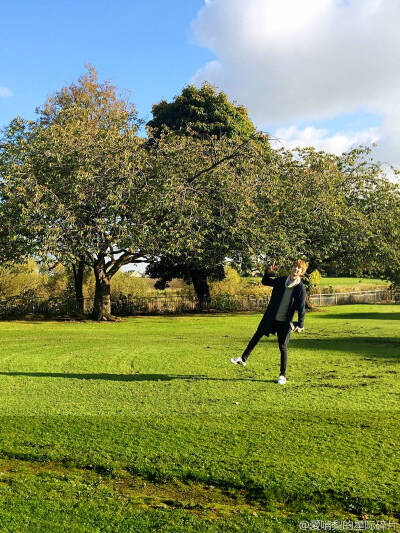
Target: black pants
{"type": "Point", "coordinates": [283, 339]}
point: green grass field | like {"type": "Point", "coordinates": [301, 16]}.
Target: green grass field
{"type": "Point", "coordinates": [144, 425]}
{"type": "Point", "coordinates": [341, 284]}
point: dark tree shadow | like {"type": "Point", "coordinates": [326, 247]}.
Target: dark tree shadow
{"type": "Point", "coordinates": [132, 377]}
{"type": "Point", "coordinates": [369, 347]}
{"type": "Point", "coordinates": [366, 316]}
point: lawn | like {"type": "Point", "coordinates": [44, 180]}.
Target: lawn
{"type": "Point", "coordinates": [339, 284]}
{"type": "Point", "coordinates": [144, 425]}
{"type": "Point", "coordinates": [356, 283]}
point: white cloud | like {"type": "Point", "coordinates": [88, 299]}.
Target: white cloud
{"type": "Point", "coordinates": [5, 92]}
{"type": "Point", "coordinates": [302, 60]}
{"type": "Point", "coordinates": [337, 143]}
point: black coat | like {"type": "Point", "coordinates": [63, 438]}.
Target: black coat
{"type": "Point", "coordinates": [297, 303]}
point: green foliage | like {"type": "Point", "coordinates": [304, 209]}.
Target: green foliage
{"type": "Point", "coordinates": [57, 282]}
{"type": "Point", "coordinates": [234, 285]}
{"type": "Point", "coordinates": [20, 280]}
{"type": "Point", "coordinates": [31, 280]}
{"type": "Point", "coordinates": [332, 210]}
{"type": "Point", "coordinates": [315, 277]}
{"type": "Point", "coordinates": [91, 167]}
{"type": "Point", "coordinates": [126, 285]}
{"type": "Point", "coordinates": [203, 112]}
{"type": "Point", "coordinates": [18, 238]}
{"type": "Point", "coordinates": [229, 285]}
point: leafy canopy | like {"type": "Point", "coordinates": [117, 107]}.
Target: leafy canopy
{"type": "Point", "coordinates": [203, 112]}
{"type": "Point", "coordinates": [80, 170]}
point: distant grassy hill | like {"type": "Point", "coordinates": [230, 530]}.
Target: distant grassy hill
{"type": "Point", "coordinates": [338, 284]}
{"type": "Point", "coordinates": [351, 282]}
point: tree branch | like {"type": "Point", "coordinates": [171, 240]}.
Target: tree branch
{"type": "Point", "coordinates": [124, 259]}
{"type": "Point", "coordinates": [217, 163]}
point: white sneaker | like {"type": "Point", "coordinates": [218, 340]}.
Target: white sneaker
{"type": "Point", "coordinates": [281, 380]}
{"type": "Point", "coordinates": [238, 361]}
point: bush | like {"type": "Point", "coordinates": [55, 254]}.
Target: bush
{"type": "Point", "coordinates": [315, 277]}
{"type": "Point", "coordinates": [124, 284]}
{"type": "Point", "coordinates": [56, 283]}
{"type": "Point", "coordinates": [30, 280]}
{"type": "Point", "coordinates": [230, 285]}
{"type": "Point", "coordinates": [20, 280]}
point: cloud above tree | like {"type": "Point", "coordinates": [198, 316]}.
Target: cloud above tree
{"type": "Point", "coordinates": [292, 61]}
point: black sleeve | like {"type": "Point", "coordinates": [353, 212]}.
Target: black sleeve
{"type": "Point", "coordinates": [269, 279]}
{"type": "Point", "coordinates": [302, 307]}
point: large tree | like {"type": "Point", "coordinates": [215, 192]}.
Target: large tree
{"type": "Point", "coordinates": [332, 210]}
{"type": "Point", "coordinates": [218, 215]}
{"type": "Point", "coordinates": [373, 199]}
{"type": "Point", "coordinates": [80, 168]}
{"type": "Point", "coordinates": [220, 202]}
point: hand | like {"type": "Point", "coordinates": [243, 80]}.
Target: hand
{"type": "Point", "coordinates": [298, 330]}
{"type": "Point", "coordinates": [271, 269]}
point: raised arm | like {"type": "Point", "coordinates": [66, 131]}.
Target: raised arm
{"type": "Point", "coordinates": [269, 278]}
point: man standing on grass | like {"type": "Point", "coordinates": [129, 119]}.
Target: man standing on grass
{"type": "Point", "coordinates": [288, 295]}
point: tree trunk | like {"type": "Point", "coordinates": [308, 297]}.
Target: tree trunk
{"type": "Point", "coordinates": [78, 284]}
{"type": "Point", "coordinates": [102, 296]}
{"type": "Point", "coordinates": [199, 280]}
{"type": "Point", "coordinates": [309, 305]}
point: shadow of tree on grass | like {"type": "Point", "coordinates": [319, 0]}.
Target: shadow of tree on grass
{"type": "Point", "coordinates": [364, 316]}
{"type": "Point", "coordinates": [369, 347]}
{"type": "Point", "coordinates": [132, 377]}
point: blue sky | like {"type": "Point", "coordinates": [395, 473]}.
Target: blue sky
{"type": "Point", "coordinates": [311, 72]}
{"type": "Point", "coordinates": [145, 47]}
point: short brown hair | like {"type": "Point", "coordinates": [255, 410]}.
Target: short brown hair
{"type": "Point", "coordinates": [302, 264]}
